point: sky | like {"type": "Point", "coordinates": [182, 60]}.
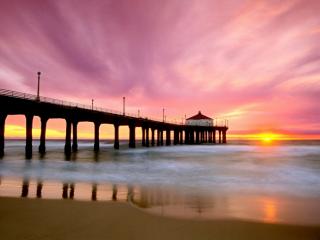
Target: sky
{"type": "Point", "coordinates": [254, 62]}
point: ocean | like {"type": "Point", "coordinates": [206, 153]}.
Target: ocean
{"type": "Point", "coordinates": [277, 181]}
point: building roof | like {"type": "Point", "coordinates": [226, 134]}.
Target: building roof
{"type": "Point", "coordinates": [199, 116]}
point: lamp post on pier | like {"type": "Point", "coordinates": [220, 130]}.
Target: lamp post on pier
{"type": "Point", "coordinates": [92, 100]}
{"type": "Point", "coordinates": [38, 89]}
{"type": "Point", "coordinates": [163, 115]}
{"type": "Point", "coordinates": [124, 105]}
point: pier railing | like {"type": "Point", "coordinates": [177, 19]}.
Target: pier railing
{"type": "Point", "coordinates": [32, 97]}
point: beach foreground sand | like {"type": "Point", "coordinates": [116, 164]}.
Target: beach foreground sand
{"type": "Point", "coordinates": [66, 219]}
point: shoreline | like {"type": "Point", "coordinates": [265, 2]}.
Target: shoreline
{"type": "Point", "coordinates": [65, 219]}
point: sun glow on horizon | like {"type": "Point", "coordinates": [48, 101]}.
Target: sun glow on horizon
{"type": "Point", "coordinates": [269, 137]}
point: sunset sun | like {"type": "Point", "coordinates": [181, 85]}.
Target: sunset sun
{"type": "Point", "coordinates": [269, 137]}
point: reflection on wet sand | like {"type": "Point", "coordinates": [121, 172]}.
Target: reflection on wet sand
{"type": "Point", "coordinates": [39, 189]}
{"type": "Point", "coordinates": [171, 203]}
{"type": "Point", "coordinates": [270, 210]}
{"type": "Point", "coordinates": [25, 188]}
{"type": "Point", "coordinates": [79, 191]}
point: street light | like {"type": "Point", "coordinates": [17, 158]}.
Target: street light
{"type": "Point", "coordinates": [163, 114]}
{"type": "Point", "coordinates": [124, 105]}
{"type": "Point", "coordinates": [38, 91]}
{"type": "Point", "coordinates": [92, 100]}
{"type": "Point", "coordinates": [138, 113]}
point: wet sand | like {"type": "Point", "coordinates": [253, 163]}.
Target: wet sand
{"type": "Point", "coordinates": [66, 219]}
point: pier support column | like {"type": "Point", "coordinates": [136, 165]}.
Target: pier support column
{"type": "Point", "coordinates": [96, 137]}
{"type": "Point", "coordinates": [143, 140]}
{"type": "Point", "coordinates": [224, 136]}
{"type": "Point", "coordinates": [158, 137]}
{"type": "Point", "coordinates": [152, 136]}
{"type": "Point", "coordinates": [116, 136]}
{"type": "Point", "coordinates": [197, 137]}
{"type": "Point", "coordinates": [147, 137]}
{"type": "Point", "coordinates": [210, 136]}
{"type": "Point", "coordinates": [175, 137]}
{"type": "Point", "coordinates": [132, 135]}
{"type": "Point", "coordinates": [181, 137]}
{"type": "Point", "coordinates": [168, 137]}
{"type": "Point", "coordinates": [75, 136]}
{"type": "Point", "coordinates": [219, 136]}
{"type": "Point", "coordinates": [161, 137]}
{"type": "Point", "coordinates": [2, 126]}
{"type": "Point", "coordinates": [42, 146]}
{"type": "Point", "coordinates": [67, 146]}
{"type": "Point", "coordinates": [29, 119]}
{"type": "Point", "coordinates": [192, 137]}
{"type": "Point", "coordinates": [186, 136]}
{"type": "Point", "coordinates": [214, 136]}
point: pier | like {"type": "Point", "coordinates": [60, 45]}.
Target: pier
{"type": "Point", "coordinates": [18, 103]}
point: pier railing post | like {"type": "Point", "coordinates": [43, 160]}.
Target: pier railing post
{"type": "Point", "coordinates": [116, 136]}
{"type": "Point", "coordinates": [96, 145]}
{"type": "Point", "coordinates": [42, 146]}
{"type": "Point", "coordinates": [29, 120]}
{"type": "Point", "coordinates": [67, 146]}
{"type": "Point", "coordinates": [75, 136]}
{"type": "Point", "coordinates": [2, 127]}
{"type": "Point", "coordinates": [132, 135]}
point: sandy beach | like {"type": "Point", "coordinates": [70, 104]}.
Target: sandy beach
{"type": "Point", "coordinates": [65, 219]}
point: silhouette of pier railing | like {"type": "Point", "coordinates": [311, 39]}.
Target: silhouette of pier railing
{"type": "Point", "coordinates": [32, 97]}
{"type": "Point", "coordinates": [153, 131]}
{"type": "Point", "coordinates": [27, 96]}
